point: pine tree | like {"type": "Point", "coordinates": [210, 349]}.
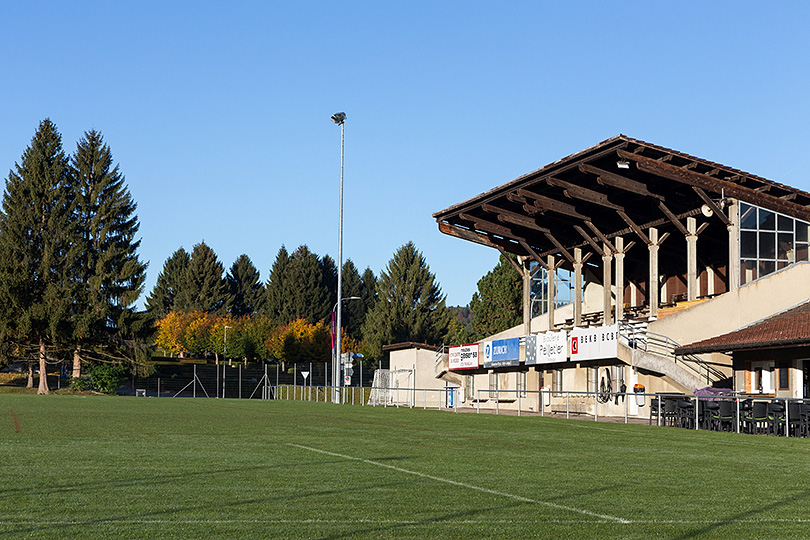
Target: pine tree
{"type": "Point", "coordinates": [308, 292]}
{"type": "Point", "coordinates": [206, 289]}
{"type": "Point", "coordinates": [354, 311]}
{"type": "Point", "coordinates": [498, 304]}
{"type": "Point", "coordinates": [244, 286]}
{"type": "Point", "coordinates": [274, 303]}
{"type": "Point", "coordinates": [108, 271]}
{"type": "Point", "coordinates": [35, 250]}
{"type": "Point", "coordinates": [171, 283]}
{"type": "Point", "coordinates": [409, 306]}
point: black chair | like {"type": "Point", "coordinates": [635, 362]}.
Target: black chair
{"type": "Point", "coordinates": [726, 416]}
{"type": "Point", "coordinates": [670, 412]}
{"type": "Point", "coordinates": [776, 417]}
{"type": "Point", "coordinates": [653, 409]}
{"type": "Point", "coordinates": [685, 413]}
{"type": "Point", "coordinates": [756, 420]}
{"type": "Point", "coordinates": [794, 420]}
{"type": "Point", "coordinates": [707, 412]}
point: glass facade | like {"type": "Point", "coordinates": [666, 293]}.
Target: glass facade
{"type": "Point", "coordinates": [769, 241]}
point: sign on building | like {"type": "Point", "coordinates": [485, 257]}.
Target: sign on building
{"type": "Point", "coordinates": [502, 353]}
{"type": "Point", "coordinates": [594, 343]}
{"type": "Point", "coordinates": [547, 348]}
{"type": "Point", "coordinates": [463, 357]}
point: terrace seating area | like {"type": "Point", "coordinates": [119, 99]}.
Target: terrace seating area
{"type": "Point", "coordinates": [779, 417]}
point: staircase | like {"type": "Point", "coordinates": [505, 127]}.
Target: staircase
{"type": "Point", "coordinates": [654, 352]}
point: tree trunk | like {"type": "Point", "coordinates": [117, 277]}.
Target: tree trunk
{"type": "Point", "coordinates": [77, 362]}
{"type": "Point", "coordinates": [30, 375]}
{"type": "Point", "coordinates": [43, 377]}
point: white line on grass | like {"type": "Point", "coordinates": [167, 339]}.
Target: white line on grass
{"type": "Point", "coordinates": [462, 484]}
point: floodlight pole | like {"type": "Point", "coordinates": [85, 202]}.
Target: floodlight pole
{"type": "Point", "coordinates": [339, 118]}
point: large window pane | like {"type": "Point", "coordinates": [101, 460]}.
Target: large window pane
{"type": "Point", "coordinates": [784, 246]}
{"type": "Point", "coordinates": [801, 252]}
{"type": "Point", "coordinates": [801, 231]}
{"type": "Point", "coordinates": [766, 267]}
{"type": "Point", "coordinates": [748, 245]}
{"type": "Point", "coordinates": [748, 216]}
{"type": "Point", "coordinates": [748, 271]}
{"type": "Point", "coordinates": [767, 245]}
{"type": "Point", "coordinates": [784, 223]}
{"type": "Point", "coordinates": [767, 220]}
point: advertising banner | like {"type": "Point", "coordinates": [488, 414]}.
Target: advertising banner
{"type": "Point", "coordinates": [464, 357]}
{"type": "Point", "coordinates": [547, 348]}
{"type": "Point", "coordinates": [594, 343]}
{"type": "Point", "coordinates": [502, 353]}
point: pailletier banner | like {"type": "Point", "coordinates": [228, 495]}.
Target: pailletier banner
{"type": "Point", "coordinates": [463, 357]}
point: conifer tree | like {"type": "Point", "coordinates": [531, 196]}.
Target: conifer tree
{"type": "Point", "coordinates": [308, 291]}
{"type": "Point", "coordinates": [498, 303]}
{"type": "Point", "coordinates": [274, 301]}
{"type": "Point", "coordinates": [206, 289]}
{"type": "Point", "coordinates": [354, 311]}
{"type": "Point", "coordinates": [171, 282]}
{"type": "Point", "coordinates": [108, 272]}
{"type": "Point", "coordinates": [36, 254]}
{"type": "Point", "coordinates": [409, 307]}
{"type": "Point", "coordinates": [244, 286]}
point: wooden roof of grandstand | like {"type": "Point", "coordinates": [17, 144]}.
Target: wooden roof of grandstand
{"type": "Point", "coordinates": [621, 186]}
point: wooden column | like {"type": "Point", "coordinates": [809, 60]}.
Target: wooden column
{"type": "Point", "coordinates": [577, 286]}
{"type": "Point", "coordinates": [607, 255]}
{"type": "Point", "coordinates": [527, 295]}
{"type": "Point", "coordinates": [619, 243]}
{"type": "Point", "coordinates": [652, 286]}
{"type": "Point", "coordinates": [692, 286]}
{"type": "Point", "coordinates": [733, 271]}
{"type": "Point", "coordinates": [551, 275]}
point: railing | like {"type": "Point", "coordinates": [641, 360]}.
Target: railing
{"type": "Point", "coordinates": [638, 337]}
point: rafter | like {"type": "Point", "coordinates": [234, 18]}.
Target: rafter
{"type": "Point", "coordinates": [547, 203]}
{"type": "Point", "coordinates": [619, 181]}
{"type": "Point", "coordinates": [506, 216]}
{"type": "Point", "coordinates": [716, 210]}
{"type": "Point", "coordinates": [596, 247]}
{"type": "Point", "coordinates": [717, 185]}
{"type": "Point", "coordinates": [636, 228]}
{"type": "Point", "coordinates": [675, 221]}
{"type": "Point", "coordinates": [573, 191]}
{"type": "Point", "coordinates": [600, 236]}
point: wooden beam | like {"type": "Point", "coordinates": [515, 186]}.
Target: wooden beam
{"type": "Point", "coordinates": [601, 236]}
{"type": "Point", "coordinates": [675, 221]}
{"type": "Point", "coordinates": [560, 247]}
{"type": "Point", "coordinates": [588, 238]}
{"type": "Point", "coordinates": [508, 258]}
{"type": "Point", "coordinates": [547, 203]}
{"type": "Point", "coordinates": [583, 194]}
{"type": "Point", "coordinates": [514, 218]}
{"type": "Point", "coordinates": [464, 234]}
{"type": "Point", "coordinates": [716, 210]}
{"type": "Point", "coordinates": [533, 254]}
{"type": "Point", "coordinates": [619, 181]}
{"type": "Point", "coordinates": [489, 227]}
{"type": "Point", "coordinates": [718, 185]}
{"type": "Point", "coordinates": [636, 228]}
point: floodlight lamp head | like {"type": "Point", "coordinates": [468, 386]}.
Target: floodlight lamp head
{"type": "Point", "coordinates": [338, 118]}
{"type": "Point", "coordinates": [623, 164]}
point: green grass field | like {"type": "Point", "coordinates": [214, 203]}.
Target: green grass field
{"type": "Point", "coordinates": [117, 467]}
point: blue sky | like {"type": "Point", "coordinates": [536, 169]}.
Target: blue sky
{"type": "Point", "coordinates": [218, 113]}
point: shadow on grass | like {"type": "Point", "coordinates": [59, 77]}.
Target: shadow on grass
{"type": "Point", "coordinates": [164, 516]}
{"type": "Point", "coordinates": [745, 514]}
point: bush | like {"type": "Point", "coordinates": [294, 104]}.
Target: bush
{"type": "Point", "coordinates": [106, 378]}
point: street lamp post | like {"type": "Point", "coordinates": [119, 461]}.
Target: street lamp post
{"type": "Point", "coordinates": [339, 119]}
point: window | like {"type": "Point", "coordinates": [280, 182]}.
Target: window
{"type": "Point", "coordinates": [769, 242]}
{"type": "Point", "coordinates": [784, 376]}
{"type": "Point", "coordinates": [471, 387]}
{"type": "Point", "coordinates": [762, 378]}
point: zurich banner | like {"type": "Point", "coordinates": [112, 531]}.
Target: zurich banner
{"type": "Point", "coordinates": [502, 353]}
